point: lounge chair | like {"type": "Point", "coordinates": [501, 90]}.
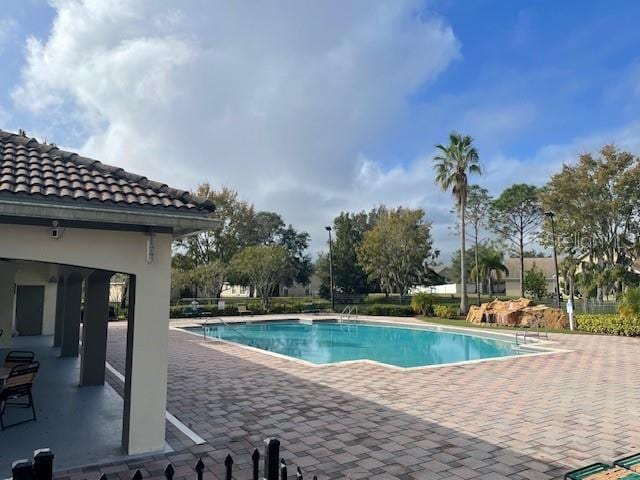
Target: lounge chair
{"type": "Point", "coordinates": [18, 357]}
{"type": "Point", "coordinates": [196, 311]}
{"type": "Point", "coordinates": [242, 310]}
{"type": "Point", "coordinates": [18, 386]}
{"type": "Point", "coordinates": [601, 471]}
{"type": "Point", "coordinates": [632, 462]}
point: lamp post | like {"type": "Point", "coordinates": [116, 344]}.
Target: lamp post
{"type": "Point", "coordinates": [333, 302]}
{"type": "Point", "coordinates": [551, 216]}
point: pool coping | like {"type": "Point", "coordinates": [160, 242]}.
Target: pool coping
{"type": "Point", "coordinates": [540, 347]}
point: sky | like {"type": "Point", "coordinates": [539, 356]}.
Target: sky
{"type": "Point", "coordinates": [310, 108]}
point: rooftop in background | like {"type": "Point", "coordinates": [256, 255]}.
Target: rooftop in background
{"type": "Point", "coordinates": [545, 264]}
{"type": "Point", "coordinates": [44, 173]}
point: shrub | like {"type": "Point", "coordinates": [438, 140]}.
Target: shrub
{"type": "Point", "coordinates": [630, 306]}
{"type": "Point", "coordinates": [628, 325]}
{"type": "Point", "coordinates": [445, 311]}
{"type": "Point", "coordinates": [422, 304]}
{"type": "Point", "coordinates": [386, 310]}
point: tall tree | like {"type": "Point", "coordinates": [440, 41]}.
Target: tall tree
{"type": "Point", "coordinates": [296, 243]}
{"type": "Point", "coordinates": [208, 277]}
{"type": "Point", "coordinates": [597, 218]}
{"type": "Point", "coordinates": [516, 216]}
{"type": "Point", "coordinates": [263, 268]}
{"type": "Point", "coordinates": [398, 250]}
{"type": "Point", "coordinates": [490, 266]}
{"type": "Point", "coordinates": [478, 203]}
{"type": "Point", "coordinates": [241, 227]}
{"type": "Point", "coordinates": [535, 285]}
{"type": "Point", "coordinates": [349, 229]}
{"type": "Point", "coordinates": [455, 162]}
{"type": "Point", "coordinates": [237, 229]}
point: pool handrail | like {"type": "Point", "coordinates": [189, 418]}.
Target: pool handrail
{"type": "Point", "coordinates": [204, 329]}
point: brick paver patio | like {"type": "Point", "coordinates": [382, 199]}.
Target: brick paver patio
{"type": "Point", "coordinates": [524, 418]}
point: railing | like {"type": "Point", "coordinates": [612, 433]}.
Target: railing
{"type": "Point", "coordinates": [348, 312]}
{"type": "Point", "coordinates": [523, 331]}
{"type": "Point", "coordinates": [274, 467]}
{"type": "Point", "coordinates": [590, 305]}
{"type": "Point", "coordinates": [244, 300]}
{"type": "Point", "coordinates": [205, 324]}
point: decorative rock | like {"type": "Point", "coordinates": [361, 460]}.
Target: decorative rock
{"type": "Point", "coordinates": [517, 313]}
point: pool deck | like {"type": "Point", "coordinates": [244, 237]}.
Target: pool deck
{"type": "Point", "coordinates": [530, 417]}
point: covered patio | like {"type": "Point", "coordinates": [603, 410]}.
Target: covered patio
{"type": "Point", "coordinates": [81, 425]}
{"type": "Point", "coordinates": [67, 224]}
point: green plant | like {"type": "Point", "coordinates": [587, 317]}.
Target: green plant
{"type": "Point", "coordinates": [630, 305]}
{"type": "Point", "coordinates": [422, 304]}
{"type": "Point", "coordinates": [610, 324]}
{"type": "Point", "coordinates": [445, 311]}
{"type": "Point", "coordinates": [535, 285]}
{"type": "Point", "coordinates": [386, 310]}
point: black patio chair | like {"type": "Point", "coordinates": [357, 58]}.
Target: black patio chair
{"type": "Point", "coordinates": [18, 386]}
{"type": "Point", "coordinates": [18, 357]}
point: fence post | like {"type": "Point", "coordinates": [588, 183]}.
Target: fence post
{"type": "Point", "coordinates": [228, 465]}
{"type": "Point", "coordinates": [169, 471]}
{"type": "Point", "coordinates": [200, 468]}
{"type": "Point", "coordinates": [271, 458]}
{"type": "Point", "coordinates": [283, 470]}
{"type": "Point", "coordinates": [255, 459]}
{"type": "Point", "coordinates": [137, 475]}
{"type": "Point", "coordinates": [43, 464]}
{"type": "Point", "coordinates": [22, 470]}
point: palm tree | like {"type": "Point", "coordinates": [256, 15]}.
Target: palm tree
{"type": "Point", "coordinates": [490, 266]}
{"type": "Point", "coordinates": [453, 164]}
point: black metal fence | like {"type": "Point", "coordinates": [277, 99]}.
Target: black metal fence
{"type": "Point", "coordinates": [274, 467]}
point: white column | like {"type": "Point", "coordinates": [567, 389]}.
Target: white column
{"type": "Point", "coordinates": [7, 294]}
{"type": "Point", "coordinates": [146, 370]}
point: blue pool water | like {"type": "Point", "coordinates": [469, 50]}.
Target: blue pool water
{"type": "Point", "coordinates": [330, 342]}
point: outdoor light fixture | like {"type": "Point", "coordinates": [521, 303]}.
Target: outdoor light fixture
{"type": "Point", "coordinates": [551, 216]}
{"type": "Point", "coordinates": [333, 302]}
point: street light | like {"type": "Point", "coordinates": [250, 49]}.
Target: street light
{"type": "Point", "coordinates": [333, 302]}
{"type": "Point", "coordinates": [551, 216]}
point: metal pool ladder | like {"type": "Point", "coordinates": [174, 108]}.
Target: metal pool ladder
{"type": "Point", "coordinates": [522, 332]}
{"type": "Point", "coordinates": [348, 312]}
{"type": "Point", "coordinates": [204, 330]}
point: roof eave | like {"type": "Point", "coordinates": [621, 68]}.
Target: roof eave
{"type": "Point", "coordinates": [180, 223]}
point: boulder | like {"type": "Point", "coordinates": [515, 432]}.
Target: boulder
{"type": "Point", "coordinates": [517, 313]}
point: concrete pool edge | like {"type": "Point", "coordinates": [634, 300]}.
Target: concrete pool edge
{"type": "Point", "coordinates": [538, 348]}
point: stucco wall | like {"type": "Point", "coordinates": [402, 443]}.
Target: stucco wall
{"type": "Point", "coordinates": [125, 252]}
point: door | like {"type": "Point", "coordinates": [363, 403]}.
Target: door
{"type": "Point", "coordinates": [29, 309]}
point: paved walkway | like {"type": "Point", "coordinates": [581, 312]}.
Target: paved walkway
{"type": "Point", "coordinates": [524, 418]}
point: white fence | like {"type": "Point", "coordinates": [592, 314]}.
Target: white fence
{"type": "Point", "coordinates": [445, 289]}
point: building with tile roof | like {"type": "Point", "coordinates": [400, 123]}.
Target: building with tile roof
{"type": "Point", "coordinates": [68, 223]}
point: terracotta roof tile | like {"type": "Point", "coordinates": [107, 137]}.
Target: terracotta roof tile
{"type": "Point", "coordinates": [29, 168]}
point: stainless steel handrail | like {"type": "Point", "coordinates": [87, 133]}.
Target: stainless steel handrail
{"type": "Point", "coordinates": [204, 329]}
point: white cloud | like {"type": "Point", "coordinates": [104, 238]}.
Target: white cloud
{"type": "Point", "coordinates": [279, 103]}
{"type": "Point", "coordinates": [282, 104]}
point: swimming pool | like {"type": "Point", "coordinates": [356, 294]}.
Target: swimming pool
{"type": "Point", "coordinates": [325, 342]}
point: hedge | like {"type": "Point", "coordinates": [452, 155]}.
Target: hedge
{"type": "Point", "coordinates": [445, 311]}
{"type": "Point", "coordinates": [178, 311]}
{"type": "Point", "coordinates": [386, 310]}
{"type": "Point", "coordinates": [610, 324]}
